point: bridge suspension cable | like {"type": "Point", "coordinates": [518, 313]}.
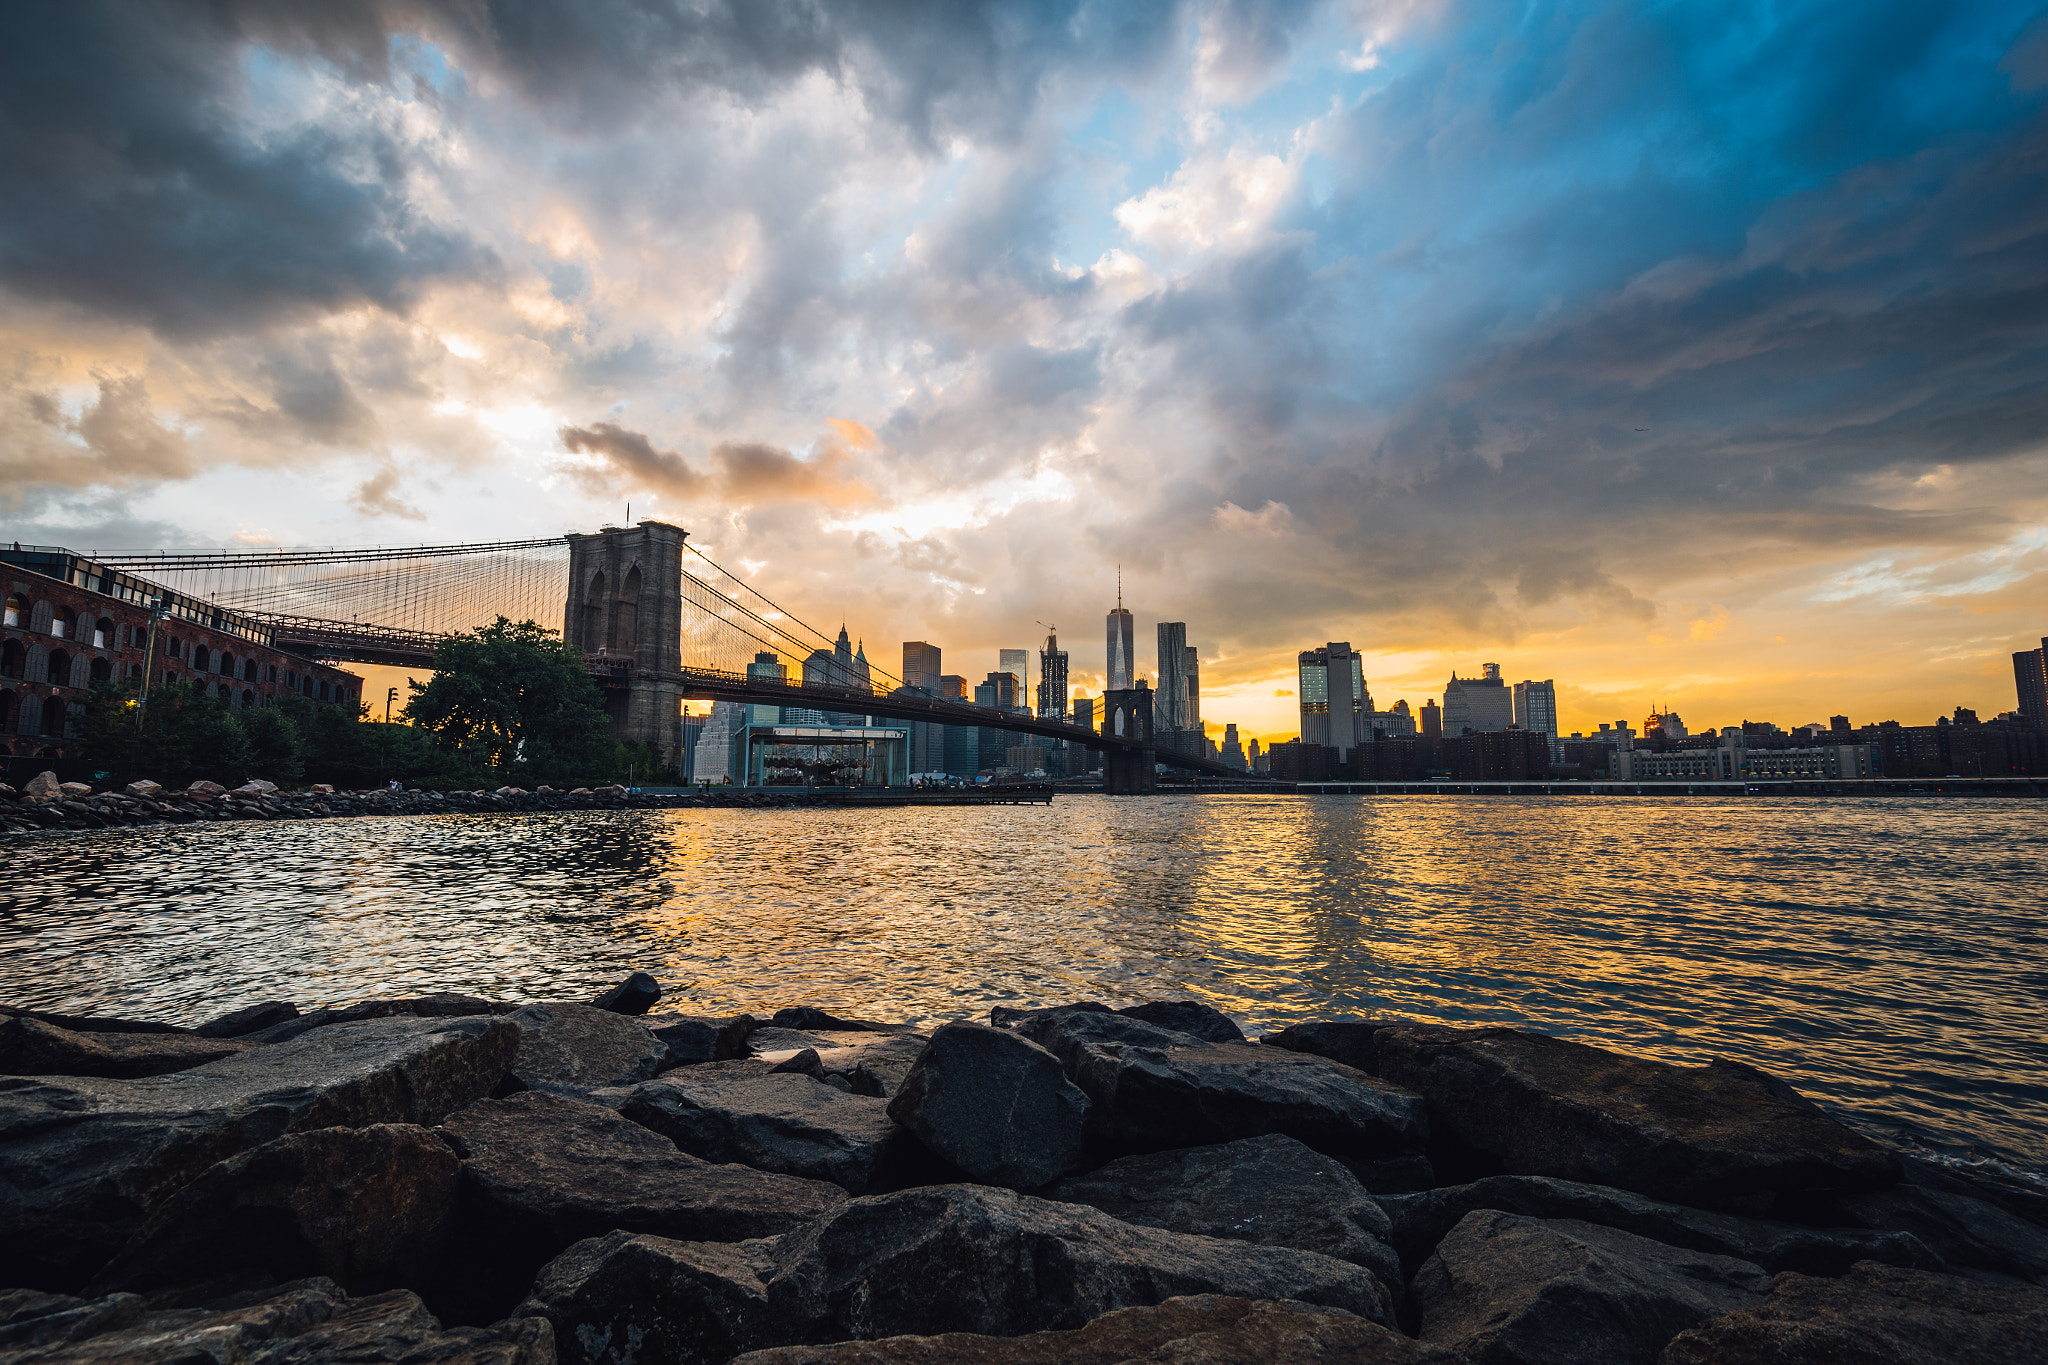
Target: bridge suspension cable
{"type": "Point", "coordinates": [743, 618]}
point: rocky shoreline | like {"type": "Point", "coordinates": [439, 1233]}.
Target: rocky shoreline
{"type": "Point", "coordinates": [44, 803]}
{"type": "Point", "coordinates": [455, 1179]}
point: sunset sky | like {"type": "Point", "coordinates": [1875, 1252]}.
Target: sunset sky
{"type": "Point", "coordinates": [1692, 354]}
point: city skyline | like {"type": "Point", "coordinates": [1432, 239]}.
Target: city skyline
{"type": "Point", "coordinates": [1669, 354]}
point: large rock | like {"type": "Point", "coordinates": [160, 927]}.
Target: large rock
{"type": "Point", "coordinates": [304, 1322]}
{"type": "Point", "coordinates": [1269, 1190]}
{"type": "Point", "coordinates": [91, 1023]}
{"type": "Point", "coordinates": [30, 1047]}
{"type": "Point", "coordinates": [370, 1208]}
{"type": "Point", "coordinates": [1150, 1098]}
{"type": "Point", "coordinates": [956, 1258]}
{"type": "Point", "coordinates": [249, 1019]}
{"type": "Point", "coordinates": [1422, 1219]}
{"type": "Point", "coordinates": [44, 786]}
{"type": "Point", "coordinates": [541, 1172]}
{"type": "Point", "coordinates": [1188, 1016]}
{"type": "Point", "coordinates": [574, 1049]}
{"type": "Point", "coordinates": [1966, 1232]}
{"type": "Point", "coordinates": [1349, 1041]}
{"type": "Point", "coordinates": [637, 994]}
{"type": "Point", "coordinates": [1507, 1290]}
{"type": "Point", "coordinates": [1719, 1136]}
{"type": "Point", "coordinates": [1068, 1031]}
{"type": "Point", "coordinates": [878, 1066]}
{"type": "Point", "coordinates": [788, 1124]}
{"type": "Point", "coordinates": [810, 1019]}
{"type": "Point", "coordinates": [1875, 1315]}
{"type": "Point", "coordinates": [83, 1161]}
{"type": "Point", "coordinates": [1199, 1329]}
{"type": "Point", "coordinates": [446, 1005]}
{"type": "Point", "coordinates": [687, 1039]}
{"type": "Point", "coordinates": [994, 1104]}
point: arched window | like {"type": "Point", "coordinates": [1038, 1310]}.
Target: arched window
{"type": "Point", "coordinates": [251, 671]}
{"type": "Point", "coordinates": [626, 615]}
{"type": "Point", "coordinates": [226, 664]}
{"type": "Point", "coordinates": [202, 659]}
{"type": "Point", "coordinates": [103, 634]}
{"type": "Point", "coordinates": [171, 650]}
{"type": "Point", "coordinates": [7, 708]}
{"type": "Point", "coordinates": [248, 699]}
{"type": "Point", "coordinates": [593, 612]}
{"type": "Point", "coordinates": [59, 674]}
{"type": "Point", "coordinates": [102, 670]}
{"type": "Point", "coordinates": [17, 611]}
{"type": "Point", "coordinates": [54, 715]}
{"type": "Point", "coordinates": [12, 659]}
{"type": "Point", "coordinates": [63, 623]}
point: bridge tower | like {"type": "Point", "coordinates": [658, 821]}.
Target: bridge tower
{"type": "Point", "coordinates": [1127, 712]}
{"type": "Point", "coordinates": [625, 612]}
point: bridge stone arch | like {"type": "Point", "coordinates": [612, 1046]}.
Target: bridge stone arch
{"type": "Point", "coordinates": [625, 613]}
{"type": "Point", "coordinates": [1127, 714]}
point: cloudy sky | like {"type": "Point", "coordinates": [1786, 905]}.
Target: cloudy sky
{"type": "Point", "coordinates": [1683, 353]}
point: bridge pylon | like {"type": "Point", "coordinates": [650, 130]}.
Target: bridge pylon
{"type": "Point", "coordinates": [625, 612]}
{"type": "Point", "coordinates": [1127, 713]}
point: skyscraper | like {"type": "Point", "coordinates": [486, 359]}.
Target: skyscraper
{"type": "Point", "coordinates": [1052, 679]}
{"type": "Point", "coordinates": [1017, 663]}
{"type": "Point", "coordinates": [1193, 673]}
{"type": "Point", "coordinates": [1481, 705]}
{"type": "Point", "coordinates": [921, 666]}
{"type": "Point", "coordinates": [1170, 707]}
{"type": "Point", "coordinates": [1536, 706]}
{"type": "Point", "coordinates": [1122, 655]}
{"type": "Point", "coordinates": [2030, 679]}
{"type": "Point", "coordinates": [1331, 694]}
{"type": "Point", "coordinates": [765, 665]}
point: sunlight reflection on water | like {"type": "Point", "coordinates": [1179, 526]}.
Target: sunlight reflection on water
{"type": "Point", "coordinates": [1883, 955]}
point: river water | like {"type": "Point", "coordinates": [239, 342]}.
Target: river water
{"type": "Point", "coordinates": [1886, 956]}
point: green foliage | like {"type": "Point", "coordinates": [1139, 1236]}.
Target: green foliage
{"type": "Point", "coordinates": [275, 751]}
{"type": "Point", "coordinates": [186, 733]}
{"type": "Point", "coordinates": [516, 700]}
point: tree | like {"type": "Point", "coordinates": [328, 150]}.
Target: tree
{"type": "Point", "coordinates": [515, 699]}
{"type": "Point", "coordinates": [187, 732]}
{"type": "Point", "coordinates": [275, 750]}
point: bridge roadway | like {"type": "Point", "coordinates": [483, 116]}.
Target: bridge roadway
{"type": "Point", "coordinates": [705, 684]}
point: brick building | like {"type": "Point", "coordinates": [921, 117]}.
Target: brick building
{"type": "Point", "coordinates": [69, 623]}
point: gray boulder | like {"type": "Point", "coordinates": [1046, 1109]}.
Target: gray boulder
{"type": "Point", "coordinates": [83, 1161]}
{"type": "Point", "coordinates": [955, 1258]}
{"type": "Point", "coordinates": [878, 1066]}
{"type": "Point", "coordinates": [788, 1124]}
{"type": "Point", "coordinates": [637, 994]}
{"type": "Point", "coordinates": [1198, 1329]}
{"type": "Point", "coordinates": [1341, 1040]}
{"type": "Point", "coordinates": [30, 1047]}
{"type": "Point", "coordinates": [994, 1104]}
{"type": "Point", "coordinates": [1071, 1030]}
{"type": "Point", "coordinates": [1422, 1219]}
{"type": "Point", "coordinates": [541, 1172]}
{"type": "Point", "coordinates": [1269, 1190]}
{"type": "Point", "coordinates": [369, 1208]}
{"type": "Point", "coordinates": [1719, 1136]}
{"type": "Point", "coordinates": [304, 1322]}
{"type": "Point", "coordinates": [1875, 1315]}
{"type": "Point", "coordinates": [572, 1049]}
{"type": "Point", "coordinates": [1188, 1016]}
{"type": "Point", "coordinates": [1966, 1232]}
{"type": "Point", "coordinates": [249, 1019]}
{"type": "Point", "coordinates": [688, 1039]}
{"type": "Point", "coordinates": [1507, 1290]}
{"type": "Point", "coordinates": [92, 1023]}
{"type": "Point", "coordinates": [446, 1005]}
{"type": "Point", "coordinates": [1152, 1099]}
{"type": "Point", "coordinates": [809, 1019]}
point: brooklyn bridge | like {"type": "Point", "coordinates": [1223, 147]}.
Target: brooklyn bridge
{"type": "Point", "coordinates": [657, 621]}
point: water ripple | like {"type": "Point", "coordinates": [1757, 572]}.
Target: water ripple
{"type": "Point", "coordinates": [1884, 955]}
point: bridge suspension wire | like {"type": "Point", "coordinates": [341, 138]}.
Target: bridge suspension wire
{"type": "Point", "coordinates": [741, 619]}
{"type": "Point", "coordinates": [433, 589]}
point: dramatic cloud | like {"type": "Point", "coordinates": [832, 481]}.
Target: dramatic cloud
{"type": "Point", "coordinates": [1698, 355]}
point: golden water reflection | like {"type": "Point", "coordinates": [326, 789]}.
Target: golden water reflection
{"type": "Point", "coordinates": [1887, 956]}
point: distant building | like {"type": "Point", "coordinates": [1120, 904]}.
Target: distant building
{"type": "Point", "coordinates": [1300, 761]}
{"type": "Point", "coordinates": [1017, 663]}
{"type": "Point", "coordinates": [1732, 759]}
{"type": "Point", "coordinates": [767, 665]}
{"type": "Point", "coordinates": [1052, 680]}
{"type": "Point", "coordinates": [1083, 712]}
{"type": "Point", "coordinates": [2030, 679]}
{"type": "Point", "coordinates": [1432, 720]}
{"type": "Point", "coordinates": [1479, 705]}
{"type": "Point", "coordinates": [1536, 706]}
{"type": "Point", "coordinates": [1170, 707]}
{"type": "Point", "coordinates": [953, 687]}
{"type": "Point", "coordinates": [921, 666]}
{"type": "Point", "coordinates": [1122, 661]}
{"type": "Point", "coordinates": [1497, 755]}
{"type": "Point", "coordinates": [999, 691]}
{"type": "Point", "coordinates": [1192, 672]}
{"type": "Point", "coordinates": [711, 759]}
{"type": "Point", "coordinates": [1664, 724]}
{"type": "Point", "coordinates": [1330, 690]}
{"type": "Point", "coordinates": [691, 727]}
{"type": "Point", "coordinates": [1232, 752]}
{"type": "Point", "coordinates": [1029, 759]}
{"type": "Point", "coordinates": [1252, 753]}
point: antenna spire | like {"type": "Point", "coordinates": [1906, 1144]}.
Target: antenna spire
{"type": "Point", "coordinates": [1119, 587]}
